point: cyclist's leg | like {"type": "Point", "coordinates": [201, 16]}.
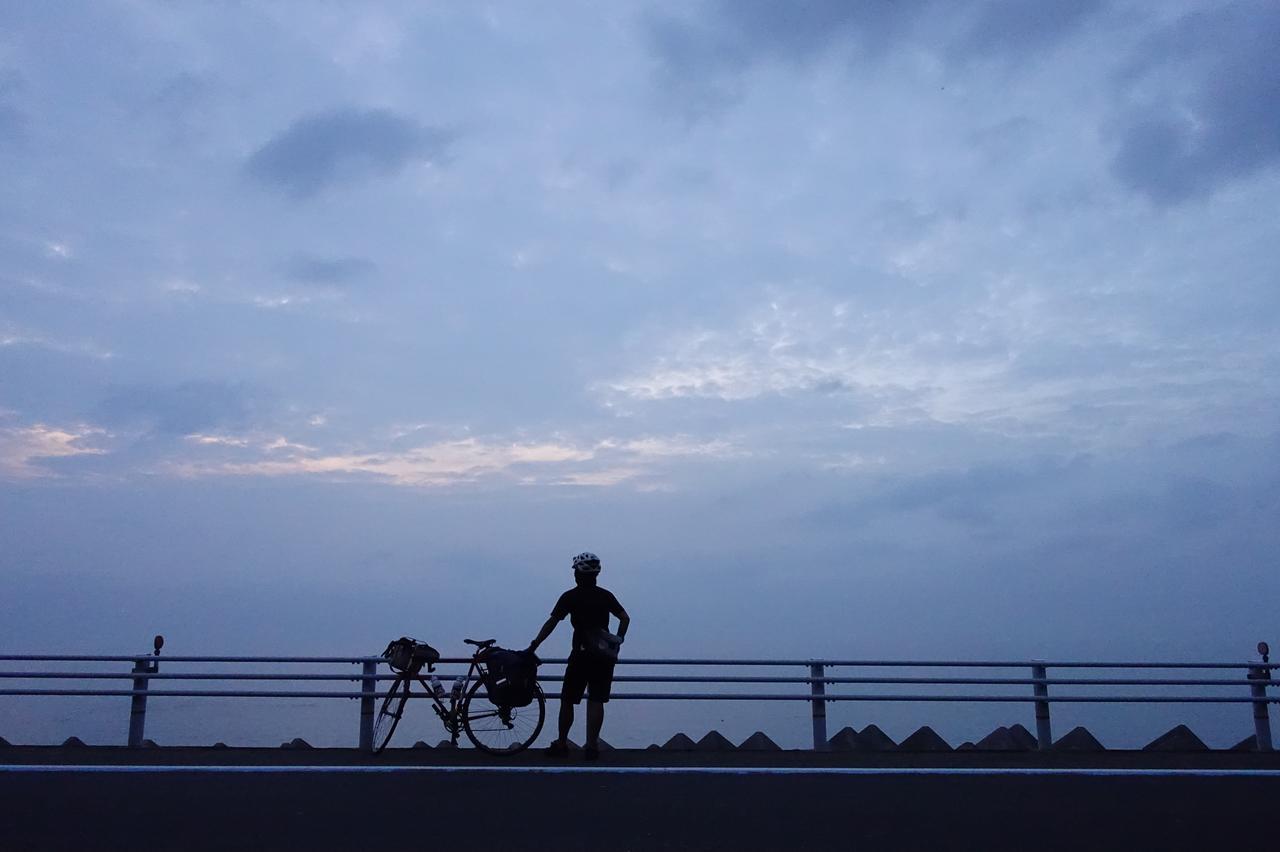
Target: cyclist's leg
{"type": "Point", "coordinates": [600, 684]}
{"type": "Point", "coordinates": [595, 718]}
{"type": "Point", "coordinates": [565, 719]}
{"type": "Point", "coordinates": [571, 692]}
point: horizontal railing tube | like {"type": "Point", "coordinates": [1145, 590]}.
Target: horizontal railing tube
{"type": "Point", "coordinates": [662, 661]}
{"type": "Point", "coordinates": [957, 681]}
{"type": "Point", "coordinates": [444, 673]}
{"type": "Point", "coordinates": [676, 696]}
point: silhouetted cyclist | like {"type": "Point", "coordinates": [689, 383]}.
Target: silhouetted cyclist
{"type": "Point", "coordinates": [593, 655]}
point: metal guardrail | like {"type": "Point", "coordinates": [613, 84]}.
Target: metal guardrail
{"type": "Point", "coordinates": [146, 668]}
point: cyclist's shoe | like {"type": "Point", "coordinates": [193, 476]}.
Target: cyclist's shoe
{"type": "Point", "coordinates": [559, 748]}
{"type": "Point", "coordinates": [591, 753]}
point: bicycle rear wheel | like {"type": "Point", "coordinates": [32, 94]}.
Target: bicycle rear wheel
{"type": "Point", "coordinates": [384, 724]}
{"type": "Point", "coordinates": [502, 730]}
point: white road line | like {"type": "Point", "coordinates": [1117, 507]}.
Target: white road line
{"type": "Point", "coordinates": [17, 769]}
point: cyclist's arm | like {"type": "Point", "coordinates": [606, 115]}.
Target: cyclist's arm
{"type": "Point", "coordinates": [624, 621]}
{"type": "Point", "coordinates": [544, 633]}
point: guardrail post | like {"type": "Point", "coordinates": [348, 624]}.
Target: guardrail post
{"type": "Point", "coordinates": [818, 689]}
{"type": "Point", "coordinates": [1261, 715]}
{"type": "Point", "coordinates": [1044, 731]}
{"type": "Point", "coordinates": [368, 686]}
{"type": "Point", "coordinates": [138, 704]}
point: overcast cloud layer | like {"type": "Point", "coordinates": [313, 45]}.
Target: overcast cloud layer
{"type": "Point", "coordinates": [838, 329]}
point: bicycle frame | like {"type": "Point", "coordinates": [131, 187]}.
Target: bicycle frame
{"type": "Point", "coordinates": [451, 715]}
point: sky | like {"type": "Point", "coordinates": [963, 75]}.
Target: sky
{"type": "Point", "coordinates": [878, 330]}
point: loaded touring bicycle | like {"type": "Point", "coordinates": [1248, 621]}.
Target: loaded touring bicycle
{"type": "Point", "coordinates": [498, 703]}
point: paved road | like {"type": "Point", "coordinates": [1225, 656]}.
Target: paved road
{"type": "Point", "coordinates": [351, 809]}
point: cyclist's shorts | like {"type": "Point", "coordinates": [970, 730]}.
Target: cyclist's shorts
{"type": "Point", "coordinates": [586, 676]}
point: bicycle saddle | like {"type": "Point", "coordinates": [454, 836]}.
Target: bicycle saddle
{"type": "Point", "coordinates": [485, 644]}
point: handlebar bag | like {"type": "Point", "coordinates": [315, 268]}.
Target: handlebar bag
{"type": "Point", "coordinates": [409, 655]}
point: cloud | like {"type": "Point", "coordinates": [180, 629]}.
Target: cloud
{"type": "Point", "coordinates": [702, 55]}
{"type": "Point", "coordinates": [186, 408]}
{"type": "Point", "coordinates": [323, 149]}
{"type": "Point", "coordinates": [672, 446]}
{"type": "Point", "coordinates": [1075, 504]}
{"type": "Point", "coordinates": [801, 30]}
{"type": "Point", "coordinates": [1203, 105]}
{"type": "Point", "coordinates": [442, 463]}
{"type": "Point", "coordinates": [603, 478]}
{"type": "Point", "coordinates": [1018, 27]}
{"type": "Point", "coordinates": [180, 94]}
{"type": "Point", "coordinates": [23, 448]}
{"type": "Point", "coordinates": [728, 33]}
{"type": "Point", "coordinates": [954, 492]}
{"type": "Point", "coordinates": [450, 462]}
{"type": "Point", "coordinates": [1013, 371]}
{"type": "Point", "coordinates": [11, 336]}
{"type": "Point", "coordinates": [788, 345]}
{"type": "Point", "coordinates": [185, 107]}
{"type": "Point", "coordinates": [336, 270]}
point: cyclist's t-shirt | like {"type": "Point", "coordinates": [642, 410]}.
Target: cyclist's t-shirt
{"type": "Point", "coordinates": [588, 608]}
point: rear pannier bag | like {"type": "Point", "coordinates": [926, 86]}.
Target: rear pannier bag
{"type": "Point", "coordinates": [512, 677]}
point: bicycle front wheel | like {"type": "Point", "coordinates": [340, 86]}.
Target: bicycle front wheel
{"type": "Point", "coordinates": [389, 713]}
{"type": "Point", "coordinates": [502, 730]}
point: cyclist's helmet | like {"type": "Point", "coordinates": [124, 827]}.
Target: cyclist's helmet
{"type": "Point", "coordinates": [586, 563]}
